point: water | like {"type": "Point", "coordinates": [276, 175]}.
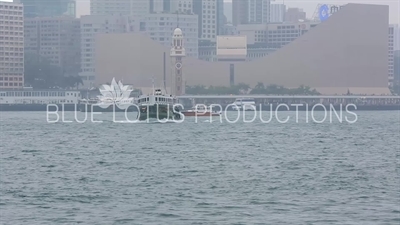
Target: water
{"type": "Point", "coordinates": [200, 173]}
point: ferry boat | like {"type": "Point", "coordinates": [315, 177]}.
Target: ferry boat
{"type": "Point", "coordinates": [29, 99]}
{"type": "Point", "coordinates": [106, 104]}
{"type": "Point", "coordinates": [157, 106]}
{"type": "Point", "coordinates": [247, 104]}
{"type": "Point", "coordinates": [200, 110]}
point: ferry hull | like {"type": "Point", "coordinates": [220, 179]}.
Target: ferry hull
{"type": "Point", "coordinates": [38, 107]}
{"type": "Point", "coordinates": [159, 112]}
{"type": "Point", "coordinates": [111, 108]}
{"type": "Point", "coordinates": [200, 114]}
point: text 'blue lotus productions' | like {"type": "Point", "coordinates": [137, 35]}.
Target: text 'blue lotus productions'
{"type": "Point", "coordinates": [323, 12]}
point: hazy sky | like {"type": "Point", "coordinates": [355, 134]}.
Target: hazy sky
{"type": "Point", "coordinates": [83, 6]}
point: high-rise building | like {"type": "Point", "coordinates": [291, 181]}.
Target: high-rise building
{"type": "Point", "coordinates": [240, 12]}
{"type": "Point", "coordinates": [55, 38]}
{"type": "Point", "coordinates": [250, 11]}
{"type": "Point", "coordinates": [392, 29]}
{"type": "Point", "coordinates": [47, 8]}
{"type": "Point", "coordinates": [90, 26]}
{"type": "Point", "coordinates": [134, 8]}
{"type": "Point", "coordinates": [295, 15]}
{"type": "Point", "coordinates": [181, 6]}
{"type": "Point", "coordinates": [211, 18]}
{"type": "Point", "coordinates": [396, 37]}
{"type": "Point", "coordinates": [277, 13]}
{"type": "Point", "coordinates": [228, 11]}
{"type": "Point", "coordinates": [160, 27]}
{"type": "Point", "coordinates": [11, 45]}
{"type": "Point", "coordinates": [259, 11]}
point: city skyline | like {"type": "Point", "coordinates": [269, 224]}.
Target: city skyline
{"type": "Point", "coordinates": [309, 6]}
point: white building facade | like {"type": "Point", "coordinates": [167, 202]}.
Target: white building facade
{"type": "Point", "coordinates": [277, 13]}
{"type": "Point", "coordinates": [11, 45]}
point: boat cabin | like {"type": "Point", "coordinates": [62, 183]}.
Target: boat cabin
{"type": "Point", "coordinates": [245, 101]}
{"type": "Point", "coordinates": [157, 98]}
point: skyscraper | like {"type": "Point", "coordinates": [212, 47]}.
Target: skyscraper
{"type": "Point", "coordinates": [11, 45]}
{"type": "Point", "coordinates": [134, 8]}
{"type": "Point", "coordinates": [277, 13]}
{"type": "Point", "coordinates": [47, 8]}
{"type": "Point", "coordinates": [250, 11]}
{"type": "Point", "coordinates": [211, 18]}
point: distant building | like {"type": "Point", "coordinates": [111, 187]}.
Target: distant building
{"type": "Point", "coordinates": [250, 12]}
{"type": "Point", "coordinates": [240, 9]}
{"type": "Point", "coordinates": [11, 45]}
{"type": "Point", "coordinates": [56, 39]}
{"type": "Point", "coordinates": [160, 27]}
{"type": "Point", "coordinates": [181, 6]}
{"type": "Point", "coordinates": [46, 8]}
{"type": "Point", "coordinates": [228, 11]}
{"type": "Point", "coordinates": [259, 11]}
{"type": "Point", "coordinates": [396, 37]}
{"type": "Point", "coordinates": [255, 33]}
{"type": "Point", "coordinates": [134, 8]}
{"type": "Point", "coordinates": [396, 79]}
{"type": "Point", "coordinates": [277, 13]}
{"type": "Point", "coordinates": [295, 15]}
{"type": "Point", "coordinates": [343, 65]}
{"type": "Point", "coordinates": [91, 26]}
{"type": "Point", "coordinates": [392, 30]}
{"type": "Point", "coordinates": [211, 18]}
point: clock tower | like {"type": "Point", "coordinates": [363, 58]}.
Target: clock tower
{"type": "Point", "coordinates": [177, 55]}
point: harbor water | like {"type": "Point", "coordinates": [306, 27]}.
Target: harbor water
{"type": "Point", "coordinates": [298, 172]}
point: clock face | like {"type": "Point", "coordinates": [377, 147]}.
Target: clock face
{"type": "Point", "coordinates": [178, 65]}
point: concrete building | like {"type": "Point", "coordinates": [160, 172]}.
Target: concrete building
{"type": "Point", "coordinates": [231, 49]}
{"type": "Point", "coordinates": [211, 18]}
{"type": "Point", "coordinates": [56, 39]}
{"type": "Point", "coordinates": [262, 39]}
{"type": "Point", "coordinates": [255, 33]}
{"type": "Point", "coordinates": [391, 33]}
{"type": "Point", "coordinates": [348, 52]}
{"type": "Point", "coordinates": [277, 13]}
{"type": "Point", "coordinates": [280, 35]}
{"type": "Point", "coordinates": [161, 26]}
{"type": "Point", "coordinates": [92, 26]}
{"type": "Point", "coordinates": [11, 45]}
{"type": "Point", "coordinates": [259, 11]}
{"type": "Point", "coordinates": [47, 8]}
{"type": "Point", "coordinates": [134, 8]}
{"type": "Point", "coordinates": [181, 6]}
{"type": "Point", "coordinates": [240, 9]}
{"type": "Point", "coordinates": [396, 37]}
{"type": "Point", "coordinates": [295, 15]}
{"type": "Point", "coordinates": [250, 11]}
{"type": "Point", "coordinates": [228, 11]}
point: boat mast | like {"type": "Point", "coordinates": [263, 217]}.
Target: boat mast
{"type": "Point", "coordinates": [152, 79]}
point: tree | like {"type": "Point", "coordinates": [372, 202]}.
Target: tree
{"type": "Point", "coordinates": [39, 73]}
{"type": "Point", "coordinates": [243, 88]}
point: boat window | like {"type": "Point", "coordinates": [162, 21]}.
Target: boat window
{"type": "Point", "coordinates": [147, 99]}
